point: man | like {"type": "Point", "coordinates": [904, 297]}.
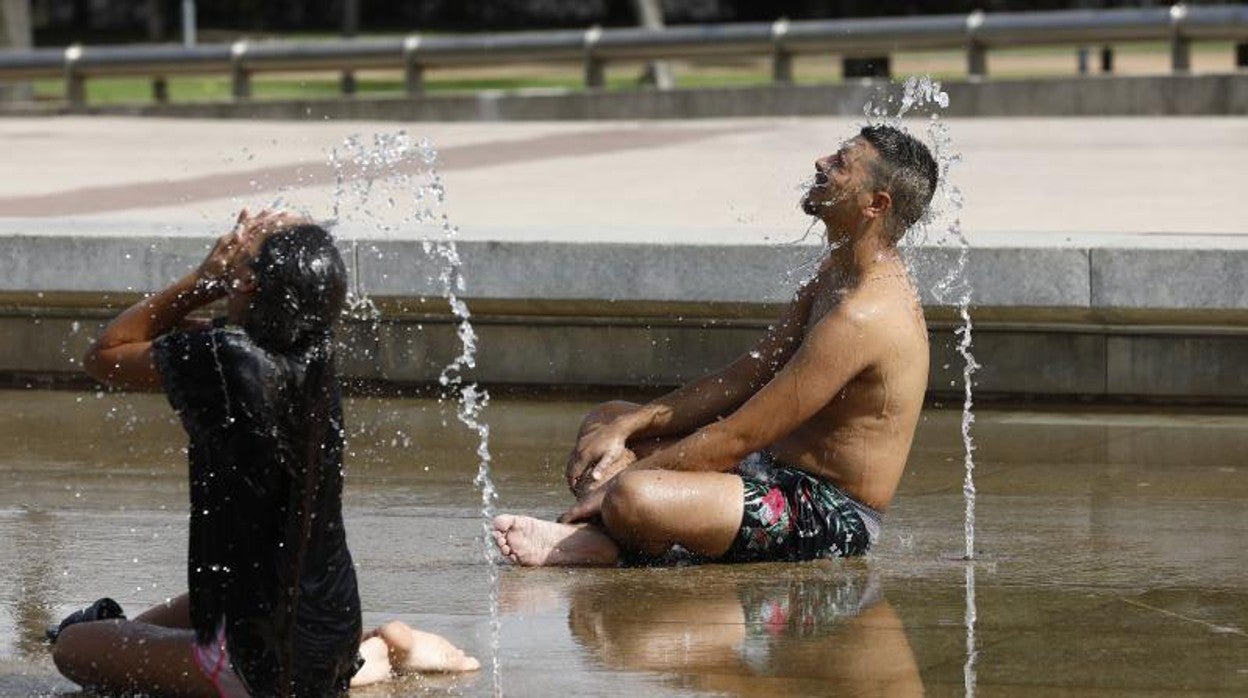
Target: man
{"type": "Point", "coordinates": [795, 449]}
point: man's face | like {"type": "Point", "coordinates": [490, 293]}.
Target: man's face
{"type": "Point", "coordinates": [840, 187]}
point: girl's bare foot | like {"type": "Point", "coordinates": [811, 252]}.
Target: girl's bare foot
{"type": "Point", "coordinates": [376, 663]}
{"type": "Point", "coordinates": [534, 543]}
{"type": "Point", "coordinates": [430, 653]}
{"type": "Point", "coordinates": [414, 650]}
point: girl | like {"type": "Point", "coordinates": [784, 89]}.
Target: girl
{"type": "Point", "coordinates": [273, 608]}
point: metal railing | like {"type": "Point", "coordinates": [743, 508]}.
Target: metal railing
{"type": "Point", "coordinates": [595, 48]}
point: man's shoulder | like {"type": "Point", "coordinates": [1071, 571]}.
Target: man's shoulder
{"type": "Point", "coordinates": [867, 318]}
{"type": "Point", "coordinates": [852, 308]}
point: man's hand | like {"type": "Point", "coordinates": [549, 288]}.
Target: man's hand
{"type": "Point", "coordinates": [586, 508]}
{"type": "Point", "coordinates": [604, 445]}
{"type": "Point", "coordinates": [604, 472]}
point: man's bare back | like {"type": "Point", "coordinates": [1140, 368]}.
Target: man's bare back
{"type": "Point", "coordinates": [861, 438]}
{"type": "Point", "coordinates": [791, 451]}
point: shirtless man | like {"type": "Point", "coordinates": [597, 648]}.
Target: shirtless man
{"type": "Point", "coordinates": [794, 450]}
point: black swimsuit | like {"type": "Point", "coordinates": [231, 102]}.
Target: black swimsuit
{"type": "Point", "coordinates": [268, 554]}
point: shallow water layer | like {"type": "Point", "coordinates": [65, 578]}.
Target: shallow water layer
{"type": "Point", "coordinates": [1111, 557]}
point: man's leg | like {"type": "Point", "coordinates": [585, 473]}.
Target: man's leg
{"type": "Point", "coordinates": [646, 511]}
{"type": "Point", "coordinates": [651, 510]}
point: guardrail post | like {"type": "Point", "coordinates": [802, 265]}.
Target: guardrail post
{"type": "Point", "coordinates": [781, 60]}
{"type": "Point", "coordinates": [1180, 46]}
{"type": "Point", "coordinates": [413, 71]}
{"type": "Point", "coordinates": [976, 53]}
{"type": "Point", "coordinates": [240, 78]}
{"type": "Point", "coordinates": [75, 81]}
{"type": "Point", "coordinates": [160, 90]}
{"type": "Point", "coordinates": [595, 67]}
{"type": "Point", "coordinates": [1106, 59]}
{"type": "Point", "coordinates": [866, 68]}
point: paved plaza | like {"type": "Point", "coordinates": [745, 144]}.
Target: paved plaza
{"type": "Point", "coordinates": [707, 182]}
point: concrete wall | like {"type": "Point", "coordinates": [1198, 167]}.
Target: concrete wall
{"type": "Point", "coordinates": [1115, 323]}
{"type": "Point", "coordinates": [1073, 96]}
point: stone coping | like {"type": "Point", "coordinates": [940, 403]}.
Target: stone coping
{"type": "Point", "coordinates": [1180, 278]}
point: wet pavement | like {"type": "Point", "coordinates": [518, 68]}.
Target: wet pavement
{"type": "Point", "coordinates": [1111, 557]}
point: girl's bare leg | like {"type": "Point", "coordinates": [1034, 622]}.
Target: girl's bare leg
{"type": "Point", "coordinates": [174, 613]}
{"type": "Point", "coordinates": [122, 656]}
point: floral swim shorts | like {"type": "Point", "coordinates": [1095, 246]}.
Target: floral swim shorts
{"type": "Point", "coordinates": [792, 515]}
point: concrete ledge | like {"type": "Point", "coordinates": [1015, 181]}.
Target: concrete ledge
{"type": "Point", "coordinates": [1073, 96]}
{"type": "Point", "coordinates": [1145, 278]}
{"type": "Point", "coordinates": [1093, 277]}
{"type": "Point", "coordinates": [1161, 321]}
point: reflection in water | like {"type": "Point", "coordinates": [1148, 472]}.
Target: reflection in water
{"type": "Point", "coordinates": [972, 613]}
{"type": "Point", "coordinates": [763, 629]}
{"type": "Point", "coordinates": [38, 544]}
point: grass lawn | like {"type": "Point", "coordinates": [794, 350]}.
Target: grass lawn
{"type": "Point", "coordinates": [1032, 62]}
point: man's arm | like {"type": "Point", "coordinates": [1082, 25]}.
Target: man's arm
{"type": "Point", "coordinates": [700, 402]}
{"type": "Point", "coordinates": [836, 349]}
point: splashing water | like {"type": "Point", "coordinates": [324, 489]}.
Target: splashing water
{"type": "Point", "coordinates": [942, 226]}
{"type": "Point", "coordinates": [401, 173]}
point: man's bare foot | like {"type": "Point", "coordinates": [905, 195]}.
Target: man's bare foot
{"type": "Point", "coordinates": [535, 543]}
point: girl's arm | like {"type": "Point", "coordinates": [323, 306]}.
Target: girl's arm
{"type": "Point", "coordinates": [121, 356]}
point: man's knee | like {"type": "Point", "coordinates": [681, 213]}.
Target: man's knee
{"type": "Point", "coordinates": [631, 502]}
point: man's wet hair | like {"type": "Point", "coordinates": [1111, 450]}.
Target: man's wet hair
{"type": "Point", "coordinates": [301, 285]}
{"type": "Point", "coordinates": [906, 170]}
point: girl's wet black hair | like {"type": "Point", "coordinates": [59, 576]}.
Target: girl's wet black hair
{"type": "Point", "coordinates": [301, 285]}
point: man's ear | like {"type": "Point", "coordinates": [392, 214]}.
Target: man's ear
{"type": "Point", "coordinates": [881, 204]}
